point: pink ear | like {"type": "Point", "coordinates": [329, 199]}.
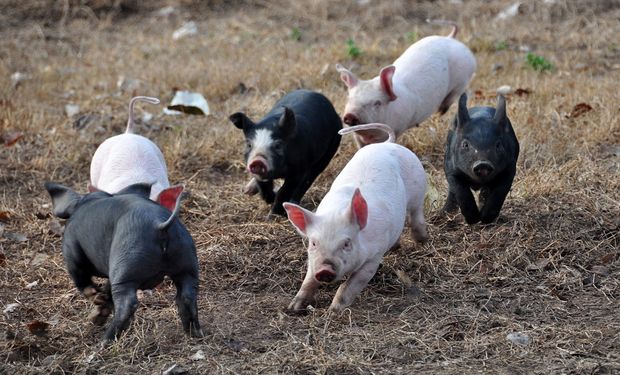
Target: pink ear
{"type": "Point", "coordinates": [386, 81]}
{"type": "Point", "coordinates": [347, 76]}
{"type": "Point", "coordinates": [359, 209]}
{"type": "Point", "coordinates": [297, 216]}
{"type": "Point", "coordinates": [168, 197]}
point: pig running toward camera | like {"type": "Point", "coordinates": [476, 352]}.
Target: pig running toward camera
{"type": "Point", "coordinates": [132, 241]}
{"type": "Point", "coordinates": [128, 159]}
{"type": "Point", "coordinates": [295, 141]}
{"type": "Point", "coordinates": [480, 154]}
{"type": "Point", "coordinates": [360, 219]}
{"type": "Point", "coordinates": [427, 78]}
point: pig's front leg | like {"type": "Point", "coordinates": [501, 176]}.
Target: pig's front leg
{"type": "Point", "coordinates": [350, 289]}
{"type": "Point", "coordinates": [266, 190]}
{"type": "Point", "coordinates": [186, 299]}
{"type": "Point", "coordinates": [494, 199]}
{"type": "Point", "coordinates": [306, 293]}
{"type": "Point", "coordinates": [285, 194]}
{"type": "Point", "coordinates": [465, 199]}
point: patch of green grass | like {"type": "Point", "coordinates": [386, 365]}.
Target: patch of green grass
{"type": "Point", "coordinates": [500, 46]}
{"type": "Point", "coordinates": [411, 36]}
{"type": "Point", "coordinates": [296, 34]}
{"type": "Point", "coordinates": [538, 63]}
{"type": "Point", "coordinates": [352, 49]}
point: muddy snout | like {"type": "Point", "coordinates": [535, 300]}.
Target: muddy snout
{"type": "Point", "coordinates": [258, 166]}
{"type": "Point", "coordinates": [326, 273]}
{"type": "Point", "coordinates": [483, 169]}
{"type": "Point", "coordinates": [351, 119]}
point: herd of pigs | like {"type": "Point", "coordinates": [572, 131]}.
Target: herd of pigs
{"type": "Point", "coordinates": [127, 228]}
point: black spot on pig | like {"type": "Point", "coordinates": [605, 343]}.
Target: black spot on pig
{"type": "Point", "coordinates": [480, 154]}
{"type": "Point", "coordinates": [295, 141]}
{"type": "Point", "coordinates": [132, 241]}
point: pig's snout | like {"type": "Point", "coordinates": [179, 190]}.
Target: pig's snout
{"type": "Point", "coordinates": [483, 169]}
{"type": "Point", "coordinates": [350, 119]}
{"type": "Point", "coordinates": [326, 273]}
{"type": "Point", "coordinates": [325, 276]}
{"type": "Point", "coordinates": [258, 166]}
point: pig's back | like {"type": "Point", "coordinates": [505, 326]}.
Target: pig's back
{"type": "Point", "coordinates": [127, 159]}
{"type": "Point", "coordinates": [377, 170]}
{"type": "Point", "coordinates": [313, 111]}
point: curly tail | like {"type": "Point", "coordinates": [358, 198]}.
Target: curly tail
{"type": "Point", "coordinates": [445, 23]}
{"type": "Point", "coordinates": [374, 125]}
{"type": "Point", "coordinates": [132, 102]}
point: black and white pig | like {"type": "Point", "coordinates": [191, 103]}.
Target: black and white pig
{"type": "Point", "coordinates": [132, 241]}
{"type": "Point", "coordinates": [480, 154]}
{"type": "Point", "coordinates": [295, 141]}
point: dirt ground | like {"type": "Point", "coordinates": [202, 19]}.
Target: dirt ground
{"type": "Point", "coordinates": [548, 269]}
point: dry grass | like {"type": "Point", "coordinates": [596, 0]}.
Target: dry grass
{"type": "Point", "coordinates": [549, 268]}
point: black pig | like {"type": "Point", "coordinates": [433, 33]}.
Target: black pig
{"type": "Point", "coordinates": [132, 241]}
{"type": "Point", "coordinates": [295, 141]}
{"type": "Point", "coordinates": [480, 154]}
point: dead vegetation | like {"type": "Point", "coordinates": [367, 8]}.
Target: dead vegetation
{"type": "Point", "coordinates": [549, 268]}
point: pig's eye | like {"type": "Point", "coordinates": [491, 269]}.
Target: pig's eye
{"type": "Point", "coordinates": [347, 244]}
{"type": "Point", "coordinates": [248, 145]}
{"type": "Point", "coordinates": [377, 103]}
{"type": "Point", "coordinates": [465, 145]}
{"type": "Point", "coordinates": [278, 146]}
{"type": "Point", "coordinates": [312, 243]}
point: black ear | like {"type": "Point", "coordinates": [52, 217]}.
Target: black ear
{"type": "Point", "coordinates": [287, 122]}
{"type": "Point", "coordinates": [142, 189]}
{"type": "Point", "coordinates": [64, 200]}
{"type": "Point", "coordinates": [240, 120]}
{"type": "Point", "coordinates": [500, 111]}
{"type": "Point", "coordinates": [462, 116]}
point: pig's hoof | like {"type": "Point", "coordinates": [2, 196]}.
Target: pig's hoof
{"type": "Point", "coordinates": [196, 333]}
{"type": "Point", "coordinates": [97, 318]}
{"type": "Point", "coordinates": [90, 292]}
{"type": "Point", "coordinates": [251, 188]}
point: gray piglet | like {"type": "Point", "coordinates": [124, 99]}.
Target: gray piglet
{"type": "Point", "coordinates": [481, 154]}
{"type": "Point", "coordinates": [132, 241]}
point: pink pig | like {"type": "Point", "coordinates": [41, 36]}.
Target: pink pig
{"type": "Point", "coordinates": [127, 159]}
{"type": "Point", "coordinates": [427, 78]}
{"type": "Point", "coordinates": [360, 218]}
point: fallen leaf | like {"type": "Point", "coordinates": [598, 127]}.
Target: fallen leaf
{"type": "Point", "coordinates": [600, 270]}
{"type": "Point", "coordinates": [37, 327]}
{"type": "Point", "coordinates": [43, 214]}
{"type": "Point", "coordinates": [608, 258]}
{"type": "Point", "coordinates": [11, 138]}
{"type": "Point", "coordinates": [519, 338]}
{"type": "Point", "coordinates": [10, 308]}
{"type": "Point", "coordinates": [5, 216]}
{"type": "Point", "coordinates": [198, 356]}
{"type": "Point", "coordinates": [538, 265]}
{"type": "Point", "coordinates": [2, 260]}
{"type": "Point", "coordinates": [17, 237]}
{"type": "Point", "coordinates": [522, 92]}
{"type": "Point", "coordinates": [39, 259]}
{"type": "Point", "coordinates": [32, 284]}
{"type": "Point", "coordinates": [579, 109]}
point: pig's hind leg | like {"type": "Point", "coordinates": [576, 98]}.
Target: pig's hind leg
{"type": "Point", "coordinates": [417, 222]}
{"type": "Point", "coordinates": [186, 300]}
{"type": "Point", "coordinates": [125, 305]}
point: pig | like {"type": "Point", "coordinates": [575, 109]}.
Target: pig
{"type": "Point", "coordinates": [360, 219]}
{"type": "Point", "coordinates": [481, 153]}
{"type": "Point", "coordinates": [295, 141]}
{"type": "Point", "coordinates": [133, 242]}
{"type": "Point", "coordinates": [427, 78]}
{"type": "Point", "coordinates": [127, 159]}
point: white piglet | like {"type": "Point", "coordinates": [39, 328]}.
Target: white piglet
{"type": "Point", "coordinates": [360, 218]}
{"type": "Point", "coordinates": [427, 78]}
{"type": "Point", "coordinates": [127, 159]}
